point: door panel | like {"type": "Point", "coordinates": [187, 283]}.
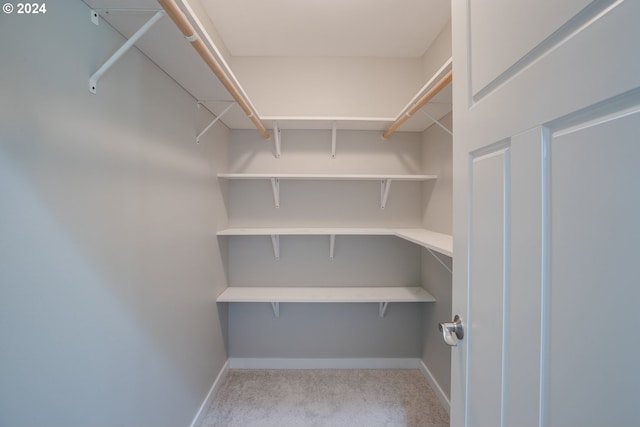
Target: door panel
{"type": "Point", "coordinates": [525, 304]}
{"type": "Point", "coordinates": [594, 277]}
{"type": "Point", "coordinates": [490, 174]}
{"type": "Point", "coordinates": [545, 225]}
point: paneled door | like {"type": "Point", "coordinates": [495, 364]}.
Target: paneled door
{"type": "Point", "coordinates": [546, 213]}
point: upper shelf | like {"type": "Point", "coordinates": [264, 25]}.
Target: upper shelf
{"type": "Point", "coordinates": [385, 180]}
{"type": "Point", "coordinates": [167, 47]}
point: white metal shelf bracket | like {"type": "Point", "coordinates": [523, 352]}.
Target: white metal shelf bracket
{"type": "Point", "coordinates": [213, 122]}
{"type": "Point", "coordinates": [93, 80]}
{"type": "Point", "coordinates": [385, 186]}
{"type": "Point", "coordinates": [276, 308]}
{"type": "Point", "coordinates": [334, 130]}
{"type": "Point", "coordinates": [436, 121]}
{"type": "Point", "coordinates": [382, 309]}
{"type": "Point", "coordinates": [439, 260]}
{"type": "Point", "coordinates": [275, 241]}
{"type": "Point", "coordinates": [276, 139]}
{"type": "Point", "coordinates": [275, 187]}
{"type": "Point", "coordinates": [332, 245]}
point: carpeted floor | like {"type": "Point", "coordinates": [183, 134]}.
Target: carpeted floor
{"type": "Point", "coordinates": [325, 398]}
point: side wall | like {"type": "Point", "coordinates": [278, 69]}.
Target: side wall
{"type": "Point", "coordinates": [437, 159]}
{"type": "Point", "coordinates": [438, 52]}
{"type": "Point", "coordinates": [109, 266]}
{"type": "Point", "coordinates": [325, 330]}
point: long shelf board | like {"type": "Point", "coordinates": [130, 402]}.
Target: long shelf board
{"type": "Point", "coordinates": [326, 294]}
{"type": "Point", "coordinates": [325, 177]}
{"type": "Point", "coordinates": [441, 243]}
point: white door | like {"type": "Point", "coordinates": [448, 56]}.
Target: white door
{"type": "Point", "coordinates": [546, 213]}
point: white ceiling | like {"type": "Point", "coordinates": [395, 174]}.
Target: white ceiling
{"type": "Point", "coordinates": [378, 28]}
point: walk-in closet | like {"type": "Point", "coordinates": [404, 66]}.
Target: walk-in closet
{"type": "Point", "coordinates": [408, 213]}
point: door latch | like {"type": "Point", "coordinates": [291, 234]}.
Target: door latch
{"type": "Point", "coordinates": [452, 332]}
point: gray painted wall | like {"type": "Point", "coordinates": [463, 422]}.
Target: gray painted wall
{"type": "Point", "coordinates": [437, 216]}
{"type": "Point", "coordinates": [109, 264]}
{"type": "Point", "coordinates": [325, 330]}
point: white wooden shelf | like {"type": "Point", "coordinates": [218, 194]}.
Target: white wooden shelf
{"type": "Point", "coordinates": [325, 177]}
{"type": "Point", "coordinates": [275, 295]}
{"type": "Point", "coordinates": [275, 178]}
{"type": "Point", "coordinates": [438, 242]}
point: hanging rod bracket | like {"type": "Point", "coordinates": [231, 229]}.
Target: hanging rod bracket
{"type": "Point", "coordinates": [218, 117]}
{"type": "Point", "coordinates": [437, 122]}
{"type": "Point", "coordinates": [93, 80]}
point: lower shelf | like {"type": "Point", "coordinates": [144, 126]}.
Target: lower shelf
{"type": "Point", "coordinates": [275, 295]}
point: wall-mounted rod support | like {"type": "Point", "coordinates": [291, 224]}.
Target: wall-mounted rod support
{"type": "Point", "coordinates": [181, 21]}
{"type": "Point", "coordinates": [436, 121]}
{"type": "Point", "coordinates": [213, 122]}
{"type": "Point", "coordinates": [334, 129]}
{"type": "Point", "coordinates": [444, 81]}
{"type": "Point", "coordinates": [93, 80]}
{"type": "Point", "coordinates": [276, 140]}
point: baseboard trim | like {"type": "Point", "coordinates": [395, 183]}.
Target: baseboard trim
{"type": "Point", "coordinates": [440, 394]}
{"type": "Point", "coordinates": [322, 363]}
{"type": "Point", "coordinates": [197, 420]}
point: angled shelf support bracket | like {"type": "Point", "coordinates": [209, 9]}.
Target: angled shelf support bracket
{"type": "Point", "coordinates": [382, 308]}
{"type": "Point", "coordinates": [332, 245]}
{"type": "Point", "coordinates": [275, 187]}
{"type": "Point", "coordinates": [214, 121]}
{"type": "Point", "coordinates": [334, 130]}
{"type": "Point", "coordinates": [385, 186]}
{"type": "Point", "coordinates": [439, 260]}
{"type": "Point", "coordinates": [93, 80]}
{"type": "Point", "coordinates": [276, 139]}
{"type": "Point", "coordinates": [275, 241]}
{"type": "Point", "coordinates": [276, 309]}
{"type": "Point", "coordinates": [436, 121]}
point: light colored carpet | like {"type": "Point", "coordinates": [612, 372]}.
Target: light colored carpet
{"type": "Point", "coordinates": [325, 398]}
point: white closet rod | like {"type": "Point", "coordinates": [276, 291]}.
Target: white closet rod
{"type": "Point", "coordinates": [181, 21]}
{"type": "Point", "coordinates": [444, 81]}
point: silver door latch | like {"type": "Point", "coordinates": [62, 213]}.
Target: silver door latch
{"type": "Point", "coordinates": [452, 331]}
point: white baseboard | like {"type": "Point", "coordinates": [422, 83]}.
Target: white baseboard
{"type": "Point", "coordinates": [197, 420]}
{"type": "Point", "coordinates": [440, 394]}
{"type": "Point", "coordinates": [308, 363]}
